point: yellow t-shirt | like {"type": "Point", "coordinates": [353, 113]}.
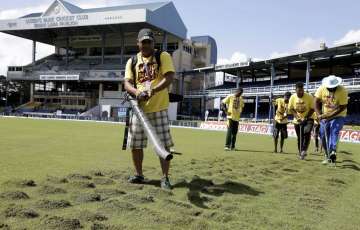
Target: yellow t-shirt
{"type": "Point", "coordinates": [235, 106]}
{"type": "Point", "coordinates": [160, 101]}
{"type": "Point", "coordinates": [280, 111]}
{"type": "Point", "coordinates": [302, 106]}
{"type": "Point", "coordinates": [331, 101]}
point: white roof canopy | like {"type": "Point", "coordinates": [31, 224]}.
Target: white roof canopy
{"type": "Point", "coordinates": [62, 17]}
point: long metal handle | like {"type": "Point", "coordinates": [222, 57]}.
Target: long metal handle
{"type": "Point", "coordinates": [150, 131]}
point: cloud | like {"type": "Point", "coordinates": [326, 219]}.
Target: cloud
{"type": "Point", "coordinates": [350, 37]}
{"type": "Point", "coordinates": [308, 44]}
{"type": "Point", "coordinates": [303, 45]}
{"type": "Point", "coordinates": [236, 57]}
{"type": "Point", "coordinates": [278, 54]}
{"type": "Point", "coordinates": [18, 52]}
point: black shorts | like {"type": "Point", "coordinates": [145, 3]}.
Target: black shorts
{"type": "Point", "coordinates": [280, 128]}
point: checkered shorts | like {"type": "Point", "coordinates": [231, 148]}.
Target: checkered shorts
{"type": "Point", "coordinates": [159, 120]}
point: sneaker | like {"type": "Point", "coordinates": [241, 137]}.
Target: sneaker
{"type": "Point", "coordinates": [227, 149]}
{"type": "Point", "coordinates": [303, 155]}
{"type": "Point", "coordinates": [136, 179]}
{"type": "Point", "coordinates": [165, 183]}
{"type": "Point", "coordinates": [325, 161]}
{"type": "Point", "coordinates": [333, 156]}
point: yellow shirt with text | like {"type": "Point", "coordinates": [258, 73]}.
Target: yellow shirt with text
{"type": "Point", "coordinates": [302, 106]}
{"type": "Point", "coordinates": [235, 106]}
{"type": "Point", "coordinates": [331, 101]}
{"type": "Point", "coordinates": [281, 110]}
{"type": "Point", "coordinates": [160, 101]}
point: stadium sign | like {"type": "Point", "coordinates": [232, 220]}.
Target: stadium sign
{"type": "Point", "coordinates": [74, 20]}
{"type": "Point", "coordinates": [232, 65]}
{"type": "Point", "coordinates": [49, 22]}
{"type": "Point", "coordinates": [59, 77]}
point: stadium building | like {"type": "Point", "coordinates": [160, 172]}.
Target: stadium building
{"type": "Point", "coordinates": [266, 79]}
{"type": "Point", "coordinates": [91, 46]}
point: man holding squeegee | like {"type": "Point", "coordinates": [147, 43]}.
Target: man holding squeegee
{"type": "Point", "coordinates": [301, 105]}
{"type": "Point", "coordinates": [147, 77]}
{"type": "Point", "coordinates": [281, 121]}
{"type": "Point", "coordinates": [331, 101]}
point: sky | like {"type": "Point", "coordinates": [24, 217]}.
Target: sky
{"type": "Point", "coordinates": [256, 29]}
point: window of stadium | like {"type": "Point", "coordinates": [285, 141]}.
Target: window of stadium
{"type": "Point", "coordinates": [131, 50]}
{"type": "Point", "coordinates": [95, 51]}
{"type": "Point", "coordinates": [80, 51]}
{"type": "Point", "coordinates": [113, 51]}
{"type": "Point", "coordinates": [81, 102]}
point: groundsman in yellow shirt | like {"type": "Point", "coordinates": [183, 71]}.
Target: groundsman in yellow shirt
{"type": "Point", "coordinates": [301, 105]}
{"type": "Point", "coordinates": [281, 121]}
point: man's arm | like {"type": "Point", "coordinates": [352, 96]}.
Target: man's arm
{"type": "Point", "coordinates": [317, 106]}
{"type": "Point", "coordinates": [129, 87]}
{"type": "Point", "coordinates": [294, 113]}
{"type": "Point", "coordinates": [329, 116]}
{"type": "Point", "coordinates": [163, 84]}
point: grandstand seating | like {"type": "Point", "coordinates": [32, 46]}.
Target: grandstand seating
{"type": "Point", "coordinates": [58, 63]}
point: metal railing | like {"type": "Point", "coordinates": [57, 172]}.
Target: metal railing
{"type": "Point", "coordinates": [352, 84]}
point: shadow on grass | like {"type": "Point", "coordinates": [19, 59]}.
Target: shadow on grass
{"type": "Point", "coordinates": [199, 187]}
{"type": "Point", "coordinates": [345, 152]}
{"type": "Point", "coordinates": [155, 183]}
{"type": "Point", "coordinates": [351, 166]}
{"type": "Point", "coordinates": [253, 151]}
{"type": "Point", "coordinates": [349, 161]}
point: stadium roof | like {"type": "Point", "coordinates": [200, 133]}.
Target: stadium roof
{"type": "Point", "coordinates": [261, 68]}
{"type": "Point", "coordinates": [63, 18]}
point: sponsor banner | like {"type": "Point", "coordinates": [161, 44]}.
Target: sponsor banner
{"type": "Point", "coordinates": [346, 135]}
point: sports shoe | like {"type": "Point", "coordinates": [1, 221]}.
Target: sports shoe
{"type": "Point", "coordinates": [302, 155]}
{"type": "Point", "coordinates": [165, 183]}
{"type": "Point", "coordinates": [332, 157]}
{"type": "Point", "coordinates": [136, 179]}
{"type": "Point", "coordinates": [227, 149]}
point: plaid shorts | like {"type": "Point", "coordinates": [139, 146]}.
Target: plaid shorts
{"type": "Point", "coordinates": [160, 122]}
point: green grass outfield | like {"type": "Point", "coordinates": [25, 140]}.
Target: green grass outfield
{"type": "Point", "coordinates": [79, 180]}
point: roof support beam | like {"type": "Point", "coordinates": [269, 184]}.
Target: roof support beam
{"type": "Point", "coordinates": [33, 52]}
{"type": "Point", "coordinates": [272, 77]}
{"type": "Point", "coordinates": [308, 69]}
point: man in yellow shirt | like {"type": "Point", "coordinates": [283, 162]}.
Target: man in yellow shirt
{"type": "Point", "coordinates": [281, 121]}
{"type": "Point", "coordinates": [331, 101]}
{"type": "Point", "coordinates": [148, 81]}
{"type": "Point", "coordinates": [233, 106]}
{"type": "Point", "coordinates": [301, 105]}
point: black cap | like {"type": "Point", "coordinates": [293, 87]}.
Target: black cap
{"type": "Point", "coordinates": [145, 34]}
